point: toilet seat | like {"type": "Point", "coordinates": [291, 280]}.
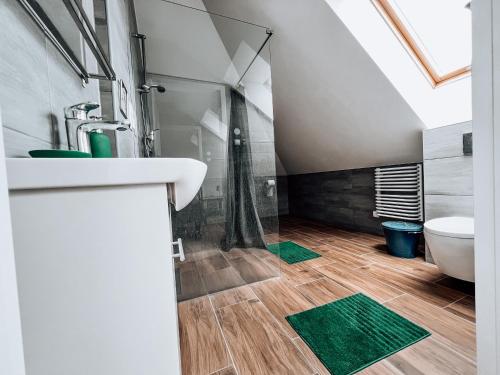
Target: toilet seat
{"type": "Point", "coordinates": [455, 226]}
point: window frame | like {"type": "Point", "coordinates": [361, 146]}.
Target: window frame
{"type": "Point", "coordinates": [401, 31]}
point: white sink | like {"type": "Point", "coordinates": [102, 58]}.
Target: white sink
{"type": "Point", "coordinates": [184, 175]}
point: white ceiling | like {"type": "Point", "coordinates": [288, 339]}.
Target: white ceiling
{"type": "Point", "coordinates": [333, 107]}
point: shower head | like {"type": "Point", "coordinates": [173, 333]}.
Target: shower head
{"type": "Point", "coordinates": [146, 89]}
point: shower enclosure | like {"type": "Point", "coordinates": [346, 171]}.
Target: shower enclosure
{"type": "Point", "coordinates": [217, 108]}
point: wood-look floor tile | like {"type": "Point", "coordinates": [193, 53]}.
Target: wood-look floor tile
{"type": "Point", "coordinates": [342, 257]}
{"type": "Point", "coordinates": [370, 241]}
{"type": "Point", "coordinates": [309, 234]}
{"type": "Point", "coordinates": [464, 308]}
{"type": "Point", "coordinates": [297, 273]}
{"type": "Point", "coordinates": [359, 281]}
{"type": "Point", "coordinates": [226, 371]}
{"type": "Point", "coordinates": [460, 285]}
{"type": "Point", "coordinates": [282, 300]}
{"type": "Point", "coordinates": [252, 269]}
{"type": "Point", "coordinates": [311, 358]}
{"type": "Point", "coordinates": [262, 253]}
{"type": "Point", "coordinates": [348, 246]}
{"type": "Point", "coordinates": [257, 342]}
{"type": "Point", "coordinates": [198, 330]}
{"type": "Point", "coordinates": [447, 328]}
{"type": "Point", "coordinates": [218, 274]}
{"type": "Point", "coordinates": [260, 309]}
{"type": "Point", "coordinates": [318, 262]}
{"type": "Point", "coordinates": [383, 367]}
{"type": "Point", "coordinates": [232, 296]}
{"type": "Point", "coordinates": [272, 238]}
{"type": "Point", "coordinates": [416, 267]}
{"type": "Point", "coordinates": [189, 283]}
{"type": "Point", "coordinates": [430, 292]}
{"type": "Point", "coordinates": [429, 356]}
{"type": "Point", "coordinates": [323, 291]}
{"type": "Point", "coordinates": [301, 240]}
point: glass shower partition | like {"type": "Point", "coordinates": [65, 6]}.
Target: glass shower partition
{"type": "Point", "coordinates": [217, 108]}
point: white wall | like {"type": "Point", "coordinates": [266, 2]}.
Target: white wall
{"type": "Point", "coordinates": [181, 42]}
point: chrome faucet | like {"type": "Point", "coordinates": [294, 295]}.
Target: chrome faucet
{"type": "Point", "coordinates": [79, 124]}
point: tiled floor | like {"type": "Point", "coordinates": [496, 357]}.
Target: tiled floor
{"type": "Point", "coordinates": [243, 330]}
{"type": "Point", "coordinates": [208, 269]}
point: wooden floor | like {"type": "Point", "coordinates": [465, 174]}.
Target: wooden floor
{"type": "Point", "coordinates": [244, 331]}
{"type": "Point", "coordinates": [208, 269]}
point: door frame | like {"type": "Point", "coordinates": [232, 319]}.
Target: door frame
{"type": "Point", "coordinates": [486, 144]}
{"type": "Point", "coordinates": [11, 344]}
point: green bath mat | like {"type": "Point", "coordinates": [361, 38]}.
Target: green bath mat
{"type": "Point", "coordinates": [352, 333]}
{"type": "Point", "coordinates": [291, 253]}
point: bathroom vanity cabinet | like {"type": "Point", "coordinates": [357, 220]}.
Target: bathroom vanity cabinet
{"type": "Point", "coordinates": [94, 261]}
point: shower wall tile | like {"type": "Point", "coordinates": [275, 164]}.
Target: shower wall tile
{"type": "Point", "coordinates": [213, 187]}
{"type": "Point", "coordinates": [261, 127]}
{"type": "Point", "coordinates": [267, 200]}
{"type": "Point", "coordinates": [216, 168]}
{"type": "Point", "coordinates": [263, 148]}
{"type": "Point", "coordinates": [263, 164]}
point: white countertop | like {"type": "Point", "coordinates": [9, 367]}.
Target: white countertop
{"type": "Point", "coordinates": [186, 175]}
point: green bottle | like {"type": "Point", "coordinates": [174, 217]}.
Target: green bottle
{"type": "Point", "coordinates": [100, 144]}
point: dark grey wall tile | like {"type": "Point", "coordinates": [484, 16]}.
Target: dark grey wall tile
{"type": "Point", "coordinates": [282, 191]}
{"type": "Point", "coordinates": [342, 198]}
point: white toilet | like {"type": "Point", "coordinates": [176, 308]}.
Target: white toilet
{"type": "Point", "coordinates": [451, 243]}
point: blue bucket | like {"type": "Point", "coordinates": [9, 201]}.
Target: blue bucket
{"type": "Point", "coordinates": [402, 238]}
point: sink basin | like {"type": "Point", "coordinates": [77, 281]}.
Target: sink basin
{"type": "Point", "coordinates": [184, 176]}
{"type": "Point", "coordinates": [58, 154]}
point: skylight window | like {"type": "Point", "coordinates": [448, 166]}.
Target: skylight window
{"type": "Point", "coordinates": [437, 33]}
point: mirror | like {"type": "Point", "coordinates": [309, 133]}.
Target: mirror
{"type": "Point", "coordinates": [67, 24]}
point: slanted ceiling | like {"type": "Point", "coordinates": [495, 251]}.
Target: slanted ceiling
{"type": "Point", "coordinates": [334, 108]}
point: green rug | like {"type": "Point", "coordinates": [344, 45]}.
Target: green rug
{"type": "Point", "coordinates": [291, 253]}
{"type": "Point", "coordinates": [352, 333]}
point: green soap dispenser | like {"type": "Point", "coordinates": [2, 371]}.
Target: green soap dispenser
{"type": "Point", "coordinates": [100, 144]}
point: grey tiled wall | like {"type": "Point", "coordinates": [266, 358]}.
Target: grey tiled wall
{"type": "Point", "coordinates": [447, 172]}
{"type": "Point", "coordinates": [37, 83]}
{"type": "Point", "coordinates": [448, 176]}
{"type": "Point", "coordinates": [341, 198]}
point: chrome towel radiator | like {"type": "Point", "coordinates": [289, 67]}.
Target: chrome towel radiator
{"type": "Point", "coordinates": [399, 192]}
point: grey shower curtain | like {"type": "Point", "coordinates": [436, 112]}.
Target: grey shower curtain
{"type": "Point", "coordinates": [242, 227]}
